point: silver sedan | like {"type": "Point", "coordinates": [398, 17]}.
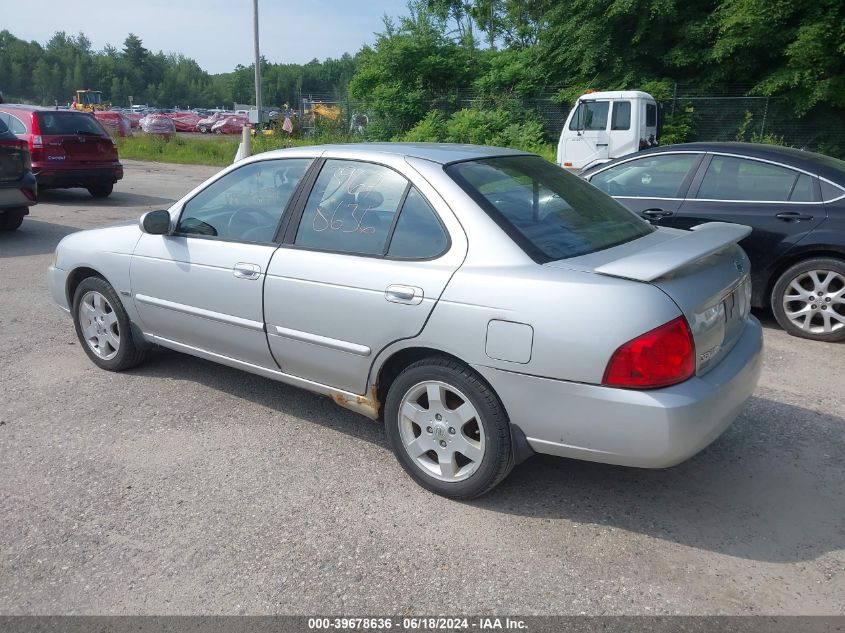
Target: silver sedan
{"type": "Point", "coordinates": [482, 302]}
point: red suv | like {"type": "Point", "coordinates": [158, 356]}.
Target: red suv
{"type": "Point", "coordinates": [68, 148]}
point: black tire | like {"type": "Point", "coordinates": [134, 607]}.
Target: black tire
{"type": "Point", "coordinates": [826, 302]}
{"type": "Point", "coordinates": [130, 352]}
{"type": "Point", "coordinates": [497, 460]}
{"type": "Point", "coordinates": [11, 219]}
{"type": "Point", "coordinates": [101, 190]}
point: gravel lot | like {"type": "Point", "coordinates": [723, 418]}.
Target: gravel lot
{"type": "Point", "coordinates": [187, 487]}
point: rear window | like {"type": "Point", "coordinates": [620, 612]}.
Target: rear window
{"type": "Point", "coordinates": [68, 123]}
{"type": "Point", "coordinates": [3, 127]}
{"type": "Point", "coordinates": [551, 214]}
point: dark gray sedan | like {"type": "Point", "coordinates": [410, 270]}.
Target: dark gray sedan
{"type": "Point", "coordinates": [793, 200]}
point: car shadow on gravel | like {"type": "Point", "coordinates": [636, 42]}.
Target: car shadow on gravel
{"type": "Point", "coordinates": [771, 489]}
{"type": "Point", "coordinates": [119, 198]}
{"type": "Point", "coordinates": [34, 237]}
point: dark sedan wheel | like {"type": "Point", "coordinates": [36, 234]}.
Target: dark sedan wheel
{"type": "Point", "coordinates": [103, 327]}
{"type": "Point", "coordinates": [11, 219]}
{"type": "Point", "coordinates": [808, 299]}
{"type": "Point", "coordinates": [448, 429]}
{"type": "Point", "coordinates": [101, 190]}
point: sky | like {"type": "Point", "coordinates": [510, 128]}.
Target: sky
{"type": "Point", "coordinates": [216, 33]}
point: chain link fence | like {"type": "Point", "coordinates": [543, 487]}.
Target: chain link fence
{"type": "Point", "coordinates": [731, 115]}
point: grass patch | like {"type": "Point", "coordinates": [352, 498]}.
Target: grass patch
{"type": "Point", "coordinates": [220, 150]}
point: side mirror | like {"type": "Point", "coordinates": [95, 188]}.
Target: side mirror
{"type": "Point", "coordinates": [155, 222]}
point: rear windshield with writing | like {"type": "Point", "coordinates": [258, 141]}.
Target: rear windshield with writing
{"type": "Point", "coordinates": [69, 123]}
{"type": "Point", "coordinates": [549, 213]}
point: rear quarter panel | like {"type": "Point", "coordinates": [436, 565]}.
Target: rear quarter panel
{"type": "Point", "coordinates": [578, 319]}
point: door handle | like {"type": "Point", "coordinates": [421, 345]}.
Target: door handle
{"type": "Point", "coordinates": [397, 293]}
{"type": "Point", "coordinates": [654, 215]}
{"type": "Point", "coordinates": [601, 144]}
{"type": "Point", "coordinates": [793, 216]}
{"type": "Point", "coordinates": [243, 270]}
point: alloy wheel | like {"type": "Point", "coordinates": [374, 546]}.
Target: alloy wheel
{"type": "Point", "coordinates": [442, 431]}
{"type": "Point", "coordinates": [99, 325]}
{"type": "Point", "coordinates": [815, 301]}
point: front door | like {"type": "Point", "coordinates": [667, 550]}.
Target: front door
{"type": "Point", "coordinates": [588, 140]}
{"type": "Point", "coordinates": [201, 287]}
{"type": "Point", "coordinates": [362, 268]}
{"type": "Point", "coordinates": [651, 185]}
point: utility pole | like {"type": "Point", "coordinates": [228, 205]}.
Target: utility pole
{"type": "Point", "coordinates": [257, 61]}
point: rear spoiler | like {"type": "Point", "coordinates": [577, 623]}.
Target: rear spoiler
{"type": "Point", "coordinates": [666, 257]}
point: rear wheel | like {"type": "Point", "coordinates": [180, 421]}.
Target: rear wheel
{"type": "Point", "coordinates": [103, 327]}
{"type": "Point", "coordinates": [101, 190]}
{"type": "Point", "coordinates": [448, 429]}
{"type": "Point", "coordinates": [808, 299]}
{"type": "Point", "coordinates": [11, 219]}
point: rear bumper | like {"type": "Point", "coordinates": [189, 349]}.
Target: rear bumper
{"type": "Point", "coordinates": [12, 193]}
{"type": "Point", "coordinates": [56, 177]}
{"type": "Point", "coordinates": [647, 429]}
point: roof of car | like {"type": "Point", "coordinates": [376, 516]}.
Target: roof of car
{"type": "Point", "coordinates": [443, 153]}
{"type": "Point", "coordinates": [36, 108]}
{"type": "Point", "coordinates": [825, 166]}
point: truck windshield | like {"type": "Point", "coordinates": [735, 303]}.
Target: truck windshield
{"type": "Point", "coordinates": [548, 212]}
{"type": "Point", "coordinates": [590, 115]}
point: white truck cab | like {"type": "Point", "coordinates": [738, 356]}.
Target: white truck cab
{"type": "Point", "coordinates": [606, 125]}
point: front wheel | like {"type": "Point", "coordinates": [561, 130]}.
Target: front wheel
{"type": "Point", "coordinates": [103, 327]}
{"type": "Point", "coordinates": [448, 429]}
{"type": "Point", "coordinates": [808, 299]}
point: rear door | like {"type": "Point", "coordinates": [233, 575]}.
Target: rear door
{"type": "Point", "coordinates": [652, 185]}
{"type": "Point", "coordinates": [781, 204]}
{"type": "Point", "coordinates": [75, 139]}
{"type": "Point", "coordinates": [362, 267]}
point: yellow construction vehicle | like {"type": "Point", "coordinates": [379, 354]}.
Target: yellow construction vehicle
{"type": "Point", "coordinates": [88, 100]}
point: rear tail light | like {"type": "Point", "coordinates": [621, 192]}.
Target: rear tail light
{"type": "Point", "coordinates": [659, 358]}
{"type": "Point", "coordinates": [35, 141]}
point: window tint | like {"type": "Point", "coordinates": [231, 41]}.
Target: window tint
{"type": "Point", "coordinates": [351, 208]}
{"type": "Point", "coordinates": [831, 191]}
{"type": "Point", "coordinates": [658, 176]}
{"type": "Point", "coordinates": [802, 190]}
{"type": "Point", "coordinates": [730, 178]}
{"type": "Point", "coordinates": [621, 116]}
{"type": "Point", "coordinates": [418, 233]}
{"type": "Point", "coordinates": [650, 115]}
{"type": "Point", "coordinates": [590, 115]}
{"type": "Point", "coordinates": [246, 204]}
{"type": "Point", "coordinates": [551, 214]}
{"type": "Point", "coordinates": [57, 122]}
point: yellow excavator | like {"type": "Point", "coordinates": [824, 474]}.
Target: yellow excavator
{"type": "Point", "coordinates": [88, 100]}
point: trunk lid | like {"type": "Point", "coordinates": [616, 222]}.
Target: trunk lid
{"type": "Point", "coordinates": [74, 139]}
{"type": "Point", "coordinates": [703, 271]}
